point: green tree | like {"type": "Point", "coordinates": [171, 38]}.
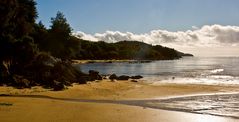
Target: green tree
{"type": "Point", "coordinates": [60, 26]}
{"type": "Point", "coordinates": [60, 43]}
{"type": "Point", "coordinates": [17, 19]}
{"type": "Point", "coordinates": [40, 36]}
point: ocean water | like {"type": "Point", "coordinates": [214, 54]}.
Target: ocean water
{"type": "Point", "coordinates": [194, 70]}
{"type": "Point", "coordinates": [217, 104]}
{"type": "Point", "coordinates": [189, 70]}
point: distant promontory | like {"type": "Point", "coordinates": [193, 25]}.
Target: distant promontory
{"type": "Point", "coordinates": [131, 50]}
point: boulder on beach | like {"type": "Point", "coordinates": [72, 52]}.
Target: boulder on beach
{"type": "Point", "coordinates": [123, 77]}
{"type": "Point", "coordinates": [57, 86]}
{"type": "Point", "coordinates": [136, 77]}
{"type": "Point", "coordinates": [21, 82]}
{"type": "Point", "coordinates": [94, 75]}
{"type": "Point", "coordinates": [113, 77]}
{"type": "Point", "coordinates": [134, 81]}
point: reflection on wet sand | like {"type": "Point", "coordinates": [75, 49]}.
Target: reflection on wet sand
{"type": "Point", "coordinates": [225, 105]}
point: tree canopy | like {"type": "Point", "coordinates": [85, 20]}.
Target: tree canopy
{"type": "Point", "coordinates": [31, 54]}
{"type": "Point", "coordinates": [25, 46]}
{"type": "Point", "coordinates": [57, 40]}
{"type": "Point", "coordinates": [132, 50]}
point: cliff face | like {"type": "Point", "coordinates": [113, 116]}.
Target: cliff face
{"type": "Point", "coordinates": [132, 50]}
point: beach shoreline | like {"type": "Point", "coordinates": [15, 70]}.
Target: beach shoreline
{"type": "Point", "coordinates": [103, 90]}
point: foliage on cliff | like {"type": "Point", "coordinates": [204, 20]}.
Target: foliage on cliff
{"type": "Point", "coordinates": [31, 54]}
{"type": "Point", "coordinates": [28, 50]}
{"type": "Point", "coordinates": [125, 50]}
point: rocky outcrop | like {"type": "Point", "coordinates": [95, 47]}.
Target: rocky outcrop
{"type": "Point", "coordinates": [123, 77]}
{"type": "Point", "coordinates": [21, 82]}
{"type": "Point", "coordinates": [134, 81]}
{"type": "Point", "coordinates": [94, 75]}
{"type": "Point", "coordinates": [136, 77]}
{"type": "Point", "coordinates": [113, 77]}
{"type": "Point", "coordinates": [57, 86]}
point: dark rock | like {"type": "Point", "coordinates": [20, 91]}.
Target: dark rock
{"type": "Point", "coordinates": [83, 79]}
{"type": "Point", "coordinates": [134, 81]}
{"type": "Point", "coordinates": [57, 86]}
{"type": "Point", "coordinates": [94, 75]}
{"type": "Point", "coordinates": [4, 73]}
{"type": "Point", "coordinates": [113, 77]}
{"type": "Point", "coordinates": [123, 77]}
{"type": "Point", "coordinates": [66, 73]}
{"type": "Point", "coordinates": [136, 77]}
{"type": "Point", "coordinates": [20, 82]}
{"type": "Point", "coordinates": [93, 72]}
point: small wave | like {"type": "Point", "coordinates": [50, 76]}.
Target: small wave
{"type": "Point", "coordinates": [210, 80]}
{"type": "Point", "coordinates": [217, 70]}
{"type": "Point", "coordinates": [222, 76]}
{"type": "Point", "coordinates": [218, 104]}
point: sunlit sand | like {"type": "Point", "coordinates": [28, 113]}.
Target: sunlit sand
{"type": "Point", "coordinates": [41, 109]}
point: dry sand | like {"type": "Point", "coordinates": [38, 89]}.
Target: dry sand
{"type": "Point", "coordinates": [38, 109]}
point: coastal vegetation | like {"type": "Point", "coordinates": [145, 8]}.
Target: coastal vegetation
{"type": "Point", "coordinates": [130, 50]}
{"type": "Point", "coordinates": [31, 54]}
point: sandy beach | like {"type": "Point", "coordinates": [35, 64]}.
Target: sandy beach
{"type": "Point", "coordinates": [119, 61]}
{"type": "Point", "coordinates": [42, 109]}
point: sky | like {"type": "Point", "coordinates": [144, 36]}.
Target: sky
{"type": "Point", "coordinates": [201, 27]}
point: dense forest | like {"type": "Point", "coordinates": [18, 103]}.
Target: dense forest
{"type": "Point", "coordinates": [31, 54]}
{"type": "Point", "coordinates": [132, 50]}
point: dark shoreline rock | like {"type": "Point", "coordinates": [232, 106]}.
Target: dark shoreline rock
{"type": "Point", "coordinates": [134, 81]}
{"type": "Point", "coordinates": [136, 77]}
{"type": "Point", "coordinates": [94, 75]}
{"type": "Point", "coordinates": [123, 77]}
{"type": "Point", "coordinates": [58, 86]}
{"type": "Point", "coordinates": [113, 77]}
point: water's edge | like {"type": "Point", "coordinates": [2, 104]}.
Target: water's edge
{"type": "Point", "coordinates": [172, 104]}
{"type": "Point", "coordinates": [193, 70]}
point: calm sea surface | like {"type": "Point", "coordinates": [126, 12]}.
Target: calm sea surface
{"type": "Point", "coordinates": [196, 70]}
{"type": "Point", "coordinates": [193, 70]}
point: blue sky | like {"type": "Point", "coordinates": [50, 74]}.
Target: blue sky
{"type": "Point", "coordinates": [213, 24]}
{"type": "Point", "coordinates": [140, 16]}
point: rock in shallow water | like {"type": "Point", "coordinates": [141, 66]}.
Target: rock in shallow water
{"type": "Point", "coordinates": [113, 77]}
{"type": "Point", "coordinates": [94, 75]}
{"type": "Point", "coordinates": [136, 77]}
{"type": "Point", "coordinates": [123, 77]}
{"type": "Point", "coordinates": [134, 81]}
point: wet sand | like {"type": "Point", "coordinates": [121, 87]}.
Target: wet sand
{"type": "Point", "coordinates": [126, 90]}
{"type": "Point", "coordinates": [39, 109]}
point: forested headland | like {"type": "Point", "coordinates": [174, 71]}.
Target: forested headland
{"type": "Point", "coordinates": [31, 54]}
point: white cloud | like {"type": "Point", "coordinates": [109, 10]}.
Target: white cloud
{"type": "Point", "coordinates": [85, 36]}
{"type": "Point", "coordinates": [206, 36]}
